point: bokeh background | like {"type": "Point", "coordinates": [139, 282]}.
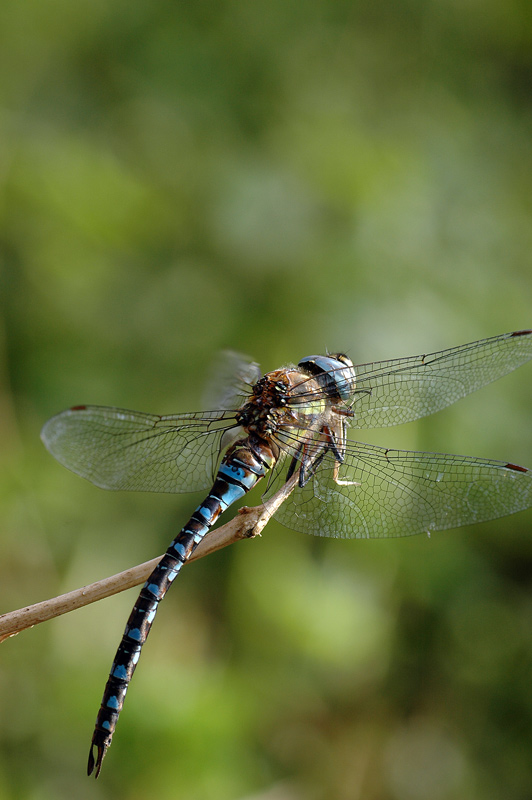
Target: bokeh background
{"type": "Point", "coordinates": [277, 178]}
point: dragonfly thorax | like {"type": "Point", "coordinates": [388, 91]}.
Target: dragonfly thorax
{"type": "Point", "coordinates": [264, 411]}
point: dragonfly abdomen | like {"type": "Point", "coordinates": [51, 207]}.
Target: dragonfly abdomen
{"type": "Point", "coordinates": [243, 465]}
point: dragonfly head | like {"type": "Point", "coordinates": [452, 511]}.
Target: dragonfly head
{"type": "Point", "coordinates": [335, 373]}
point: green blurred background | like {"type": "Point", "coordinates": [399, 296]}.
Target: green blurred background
{"type": "Point", "coordinates": [278, 178]}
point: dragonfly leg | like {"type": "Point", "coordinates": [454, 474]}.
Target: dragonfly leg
{"type": "Point", "coordinates": [343, 411]}
{"type": "Point", "coordinates": [335, 443]}
{"type": "Point", "coordinates": [308, 463]}
{"type": "Point", "coordinates": [294, 463]}
{"type": "Point", "coordinates": [309, 467]}
{"type": "Point", "coordinates": [338, 480]}
{"type": "Point", "coordinates": [338, 448]}
{"type": "Point", "coordinates": [330, 440]}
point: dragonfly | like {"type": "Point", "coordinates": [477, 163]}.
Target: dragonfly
{"type": "Point", "coordinates": [292, 424]}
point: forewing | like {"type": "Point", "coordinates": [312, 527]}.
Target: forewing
{"type": "Point", "coordinates": [404, 389]}
{"type": "Point", "coordinates": [119, 449]}
{"type": "Point", "coordinates": [230, 380]}
{"type": "Point", "coordinates": [400, 493]}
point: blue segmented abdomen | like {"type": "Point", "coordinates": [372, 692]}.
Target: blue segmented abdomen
{"type": "Point", "coordinates": [239, 471]}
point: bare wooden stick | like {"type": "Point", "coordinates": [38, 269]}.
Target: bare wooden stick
{"type": "Point", "coordinates": [248, 523]}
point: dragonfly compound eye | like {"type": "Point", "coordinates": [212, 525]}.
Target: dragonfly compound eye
{"type": "Point", "coordinates": [335, 374]}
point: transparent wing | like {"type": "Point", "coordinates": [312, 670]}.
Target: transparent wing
{"type": "Point", "coordinates": [230, 380]}
{"type": "Point", "coordinates": [119, 449]}
{"type": "Point", "coordinates": [400, 493]}
{"type": "Point", "coordinates": [404, 389]}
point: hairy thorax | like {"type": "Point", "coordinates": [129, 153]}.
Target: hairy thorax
{"type": "Point", "coordinates": [285, 398]}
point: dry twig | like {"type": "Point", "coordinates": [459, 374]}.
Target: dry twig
{"type": "Point", "coordinates": [248, 523]}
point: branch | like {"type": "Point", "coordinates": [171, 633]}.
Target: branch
{"type": "Point", "coordinates": [247, 524]}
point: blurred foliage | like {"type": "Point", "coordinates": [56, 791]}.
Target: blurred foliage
{"type": "Point", "coordinates": [277, 178]}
